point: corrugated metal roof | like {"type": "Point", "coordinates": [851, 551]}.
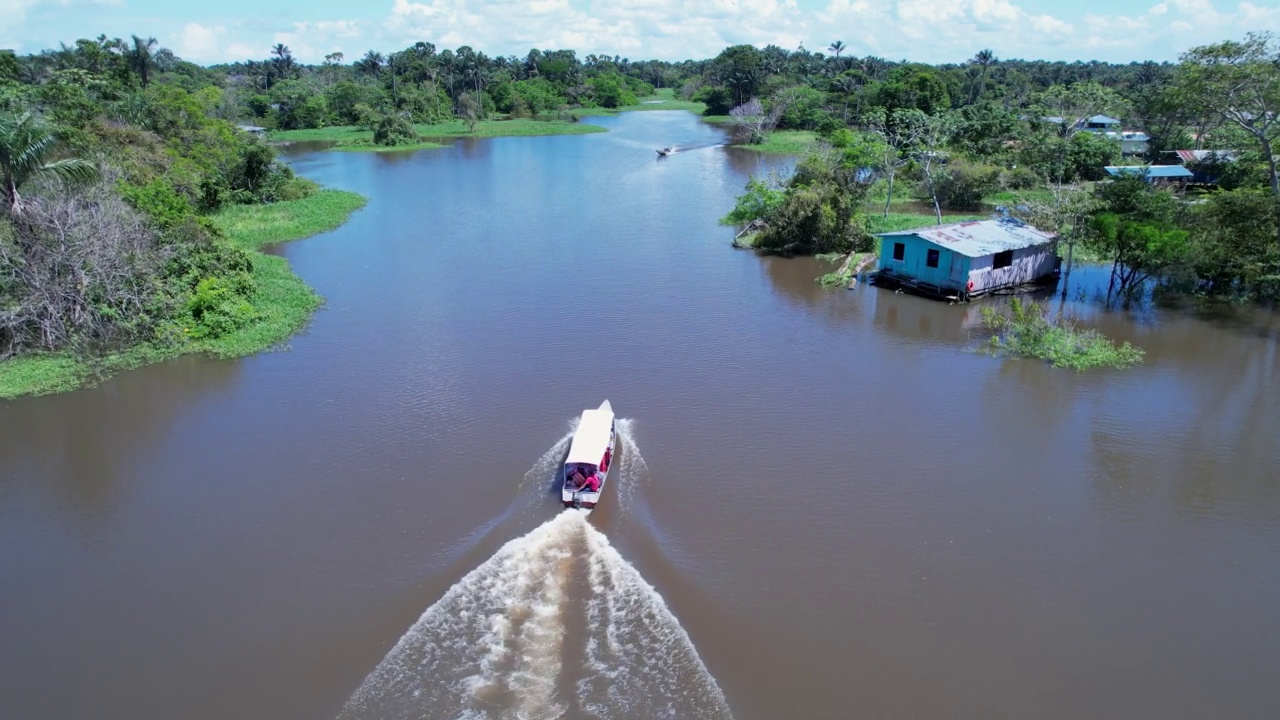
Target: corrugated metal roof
{"type": "Point", "coordinates": [1102, 120]}
{"type": "Point", "coordinates": [1197, 155]}
{"type": "Point", "coordinates": [981, 237]}
{"type": "Point", "coordinates": [1149, 171]}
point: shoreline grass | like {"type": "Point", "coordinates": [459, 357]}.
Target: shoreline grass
{"type": "Point", "coordinates": [355, 147]}
{"type": "Point", "coordinates": [896, 221]}
{"type": "Point", "coordinates": [785, 142]}
{"type": "Point", "coordinates": [353, 139]}
{"type": "Point", "coordinates": [661, 99]}
{"type": "Point", "coordinates": [282, 301]}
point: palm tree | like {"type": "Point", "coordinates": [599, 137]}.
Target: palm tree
{"type": "Point", "coordinates": [837, 47]}
{"type": "Point", "coordinates": [24, 144]}
{"type": "Point", "coordinates": [283, 60]}
{"type": "Point", "coordinates": [370, 64]}
{"type": "Point", "coordinates": [140, 59]}
{"type": "Point", "coordinates": [984, 59]}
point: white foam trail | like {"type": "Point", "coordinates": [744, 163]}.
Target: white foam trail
{"type": "Point", "coordinates": [552, 461]}
{"type": "Point", "coordinates": [495, 645]}
{"type": "Point", "coordinates": [632, 469]}
{"type": "Point", "coordinates": [491, 647]}
{"type": "Point", "coordinates": [639, 661]}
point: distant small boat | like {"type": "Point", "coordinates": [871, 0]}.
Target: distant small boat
{"type": "Point", "coordinates": [667, 150]}
{"type": "Point", "coordinates": [590, 455]}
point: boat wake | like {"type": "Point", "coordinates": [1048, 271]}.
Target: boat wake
{"type": "Point", "coordinates": [557, 623]}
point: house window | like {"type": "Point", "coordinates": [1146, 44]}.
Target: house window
{"type": "Point", "coordinates": [899, 251]}
{"type": "Point", "coordinates": [1002, 260]}
{"type": "Point", "coordinates": [932, 259]}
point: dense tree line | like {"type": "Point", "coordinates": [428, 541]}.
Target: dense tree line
{"type": "Point", "coordinates": [114, 151]}
{"type": "Point", "coordinates": [112, 154]}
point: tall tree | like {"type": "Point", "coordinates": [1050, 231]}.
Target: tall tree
{"type": "Point", "coordinates": [984, 60]}
{"type": "Point", "coordinates": [836, 48]}
{"type": "Point", "coordinates": [1240, 81]}
{"type": "Point", "coordinates": [141, 60]}
{"type": "Point", "coordinates": [370, 64]}
{"type": "Point", "coordinates": [283, 61]}
{"type": "Point", "coordinates": [25, 143]}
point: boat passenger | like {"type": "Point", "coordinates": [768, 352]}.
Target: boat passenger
{"type": "Point", "coordinates": [604, 464]}
{"type": "Point", "coordinates": [593, 483]}
{"type": "Point", "coordinates": [576, 479]}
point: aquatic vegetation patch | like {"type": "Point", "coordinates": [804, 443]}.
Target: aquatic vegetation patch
{"type": "Point", "coordinates": [1025, 331]}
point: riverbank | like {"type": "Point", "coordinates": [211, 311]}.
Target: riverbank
{"type": "Point", "coordinates": [784, 142]}
{"type": "Point", "coordinates": [351, 138]}
{"type": "Point", "coordinates": [661, 99]}
{"type": "Point", "coordinates": [282, 303]}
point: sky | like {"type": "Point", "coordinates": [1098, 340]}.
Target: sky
{"type": "Point", "coordinates": [933, 31]}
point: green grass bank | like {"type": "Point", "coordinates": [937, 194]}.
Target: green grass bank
{"type": "Point", "coordinates": [282, 302]}
{"type": "Point", "coordinates": [785, 142]}
{"type": "Point", "coordinates": [346, 137]}
{"type": "Point", "coordinates": [661, 99]}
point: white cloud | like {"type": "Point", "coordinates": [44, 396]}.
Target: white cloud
{"type": "Point", "coordinates": [199, 43]}
{"type": "Point", "coordinates": [952, 30]}
{"type": "Point", "coordinates": [13, 14]}
{"type": "Point", "coordinates": [924, 30]}
{"type": "Point", "coordinates": [637, 28]}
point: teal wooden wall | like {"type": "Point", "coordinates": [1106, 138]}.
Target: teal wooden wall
{"type": "Point", "coordinates": [914, 258]}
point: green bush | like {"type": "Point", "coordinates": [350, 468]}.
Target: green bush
{"type": "Point", "coordinates": [219, 306]}
{"type": "Point", "coordinates": [965, 183]}
{"type": "Point", "coordinates": [394, 129]}
{"type": "Point", "coordinates": [719, 101]}
{"type": "Point", "coordinates": [159, 201]}
{"type": "Point", "coordinates": [1020, 178]}
{"type": "Point", "coordinates": [1026, 332]}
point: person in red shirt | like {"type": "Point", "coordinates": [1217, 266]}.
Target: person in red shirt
{"type": "Point", "coordinates": [593, 482]}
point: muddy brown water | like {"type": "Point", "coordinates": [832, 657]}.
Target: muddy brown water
{"type": "Point", "coordinates": [845, 510]}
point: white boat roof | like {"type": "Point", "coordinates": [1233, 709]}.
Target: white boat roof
{"type": "Point", "coordinates": [592, 436]}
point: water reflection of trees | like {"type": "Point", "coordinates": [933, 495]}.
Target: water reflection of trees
{"type": "Point", "coordinates": [921, 320]}
{"type": "Point", "coordinates": [1200, 431]}
{"type": "Point", "coordinates": [796, 281]}
{"type": "Point", "coordinates": [77, 450]}
{"type": "Point", "coordinates": [755, 164]}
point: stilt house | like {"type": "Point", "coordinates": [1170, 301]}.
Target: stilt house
{"type": "Point", "coordinates": [967, 259]}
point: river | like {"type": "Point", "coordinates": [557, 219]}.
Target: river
{"type": "Point", "coordinates": [830, 505]}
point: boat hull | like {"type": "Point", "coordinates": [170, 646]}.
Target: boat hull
{"type": "Point", "coordinates": [582, 498]}
{"type": "Point", "coordinates": [586, 499]}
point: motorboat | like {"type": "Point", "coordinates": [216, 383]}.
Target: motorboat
{"type": "Point", "coordinates": [667, 150]}
{"type": "Point", "coordinates": [586, 467]}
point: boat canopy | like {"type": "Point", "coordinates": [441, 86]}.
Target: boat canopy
{"type": "Point", "coordinates": [595, 429]}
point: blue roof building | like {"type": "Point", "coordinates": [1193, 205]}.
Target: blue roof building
{"type": "Point", "coordinates": [1151, 173]}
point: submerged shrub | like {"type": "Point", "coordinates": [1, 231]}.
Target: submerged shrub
{"type": "Point", "coordinates": [1026, 332]}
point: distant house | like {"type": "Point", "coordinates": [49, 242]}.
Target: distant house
{"type": "Point", "coordinates": [1206, 166]}
{"type": "Point", "coordinates": [1154, 174]}
{"type": "Point", "coordinates": [1134, 143]}
{"type": "Point", "coordinates": [1100, 123]}
{"type": "Point", "coordinates": [1188, 157]}
{"type": "Point", "coordinates": [968, 259]}
{"type": "Point", "coordinates": [253, 129]}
